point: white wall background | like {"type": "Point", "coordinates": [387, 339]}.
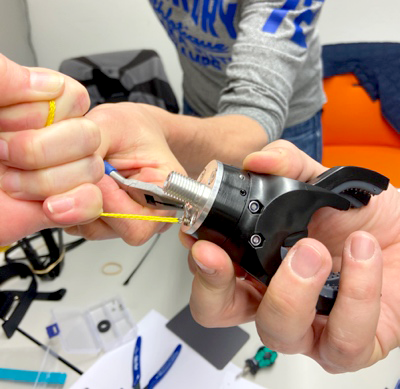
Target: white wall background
{"type": "Point", "coordinates": [64, 29]}
{"type": "Point", "coordinates": [344, 21]}
{"type": "Point", "coordinates": [14, 32]}
{"type": "Point", "coordinates": [68, 28]}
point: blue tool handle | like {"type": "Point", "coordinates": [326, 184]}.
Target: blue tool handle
{"type": "Point", "coordinates": [165, 368]}
{"type": "Point", "coordinates": [109, 168]}
{"type": "Point", "coordinates": [136, 362]}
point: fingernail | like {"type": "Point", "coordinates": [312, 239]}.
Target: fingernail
{"type": "Point", "coordinates": [11, 182]}
{"type": "Point", "coordinates": [205, 269]}
{"type": "Point", "coordinates": [362, 247]}
{"type": "Point", "coordinates": [60, 205]}
{"type": "Point", "coordinates": [3, 150]}
{"type": "Point", "coordinates": [305, 261]}
{"type": "Point", "coordinates": [46, 82]}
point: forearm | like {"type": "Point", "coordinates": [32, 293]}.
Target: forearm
{"type": "Point", "coordinates": [196, 141]}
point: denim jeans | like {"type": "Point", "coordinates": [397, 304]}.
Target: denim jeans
{"type": "Point", "coordinates": [307, 136]}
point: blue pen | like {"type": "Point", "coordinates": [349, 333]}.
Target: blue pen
{"type": "Point", "coordinates": [159, 375]}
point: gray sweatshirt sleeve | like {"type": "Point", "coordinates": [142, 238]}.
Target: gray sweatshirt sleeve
{"type": "Point", "coordinates": [275, 42]}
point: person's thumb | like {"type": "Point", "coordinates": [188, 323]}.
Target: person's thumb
{"type": "Point", "coordinates": [213, 285]}
{"type": "Point", "coordinates": [19, 84]}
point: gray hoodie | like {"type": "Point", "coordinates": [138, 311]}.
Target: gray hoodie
{"type": "Point", "coordinates": [259, 58]}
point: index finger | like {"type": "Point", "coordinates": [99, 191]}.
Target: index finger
{"type": "Point", "coordinates": [283, 158]}
{"type": "Point", "coordinates": [19, 84]}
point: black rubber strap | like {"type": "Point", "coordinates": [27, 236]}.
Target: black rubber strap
{"type": "Point", "coordinates": [22, 298]}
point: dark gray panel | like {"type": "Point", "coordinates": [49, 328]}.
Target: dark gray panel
{"type": "Point", "coordinates": [217, 345]}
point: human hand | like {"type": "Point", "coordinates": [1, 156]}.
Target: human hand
{"type": "Point", "coordinates": [45, 173]}
{"type": "Point", "coordinates": [364, 324]}
{"type": "Point", "coordinates": [134, 143]}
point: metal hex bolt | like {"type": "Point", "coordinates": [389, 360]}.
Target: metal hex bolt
{"type": "Point", "coordinates": [254, 206]}
{"type": "Point", "coordinates": [256, 240]}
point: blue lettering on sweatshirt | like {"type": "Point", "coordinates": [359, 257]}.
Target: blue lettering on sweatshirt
{"type": "Point", "coordinates": [278, 15]}
{"type": "Point", "coordinates": [181, 3]}
{"type": "Point", "coordinates": [205, 14]}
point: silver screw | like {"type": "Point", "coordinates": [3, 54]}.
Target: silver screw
{"type": "Point", "coordinates": [254, 206]}
{"type": "Point", "coordinates": [186, 190]}
{"type": "Point", "coordinates": [255, 240]}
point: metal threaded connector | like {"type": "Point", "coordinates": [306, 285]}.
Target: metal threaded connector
{"type": "Point", "coordinates": [186, 189]}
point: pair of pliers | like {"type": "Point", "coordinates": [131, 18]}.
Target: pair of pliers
{"type": "Point", "coordinates": [153, 195]}
{"type": "Point", "coordinates": [159, 375]}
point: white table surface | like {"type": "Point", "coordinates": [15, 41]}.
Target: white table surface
{"type": "Point", "coordinates": [162, 283]}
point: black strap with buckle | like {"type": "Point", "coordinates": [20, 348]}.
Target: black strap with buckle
{"type": "Point", "coordinates": [14, 303]}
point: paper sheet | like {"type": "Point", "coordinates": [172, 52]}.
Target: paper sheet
{"type": "Point", "coordinates": [114, 369]}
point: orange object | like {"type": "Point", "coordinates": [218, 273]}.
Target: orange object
{"type": "Point", "coordinates": [355, 132]}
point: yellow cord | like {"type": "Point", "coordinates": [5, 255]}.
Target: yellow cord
{"type": "Point", "coordinates": [142, 217]}
{"type": "Point", "coordinates": [52, 111]}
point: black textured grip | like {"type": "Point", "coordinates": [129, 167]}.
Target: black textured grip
{"type": "Point", "coordinates": [328, 294]}
{"type": "Point", "coordinates": [357, 185]}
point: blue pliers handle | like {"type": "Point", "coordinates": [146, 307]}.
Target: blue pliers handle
{"type": "Point", "coordinates": [160, 374]}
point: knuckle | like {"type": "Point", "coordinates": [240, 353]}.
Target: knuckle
{"type": "Point", "coordinates": [79, 97]}
{"type": "Point", "coordinates": [212, 312]}
{"type": "Point", "coordinates": [276, 345]}
{"type": "Point", "coordinates": [279, 341]}
{"type": "Point", "coordinates": [202, 319]}
{"type": "Point", "coordinates": [46, 183]}
{"type": "Point", "coordinates": [81, 102]}
{"type": "Point", "coordinates": [347, 351]}
{"type": "Point", "coordinates": [87, 125]}
{"type": "Point", "coordinates": [103, 114]}
{"type": "Point", "coordinates": [29, 150]}
{"type": "Point", "coordinates": [91, 134]}
{"type": "Point", "coordinates": [72, 230]}
{"type": "Point", "coordinates": [97, 168]}
{"type": "Point", "coordinates": [88, 233]}
{"type": "Point", "coordinates": [360, 292]}
{"type": "Point", "coordinates": [281, 304]}
{"type": "Point", "coordinates": [134, 238]}
{"type": "Point", "coordinates": [284, 144]}
{"type": "Point", "coordinates": [32, 120]}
